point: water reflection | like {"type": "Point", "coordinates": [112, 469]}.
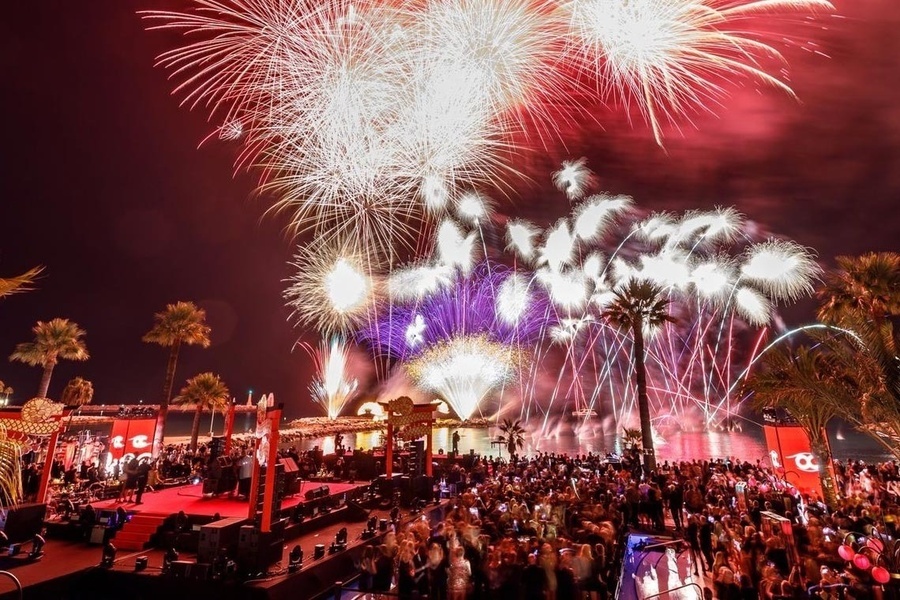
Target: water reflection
{"type": "Point", "coordinates": [745, 445]}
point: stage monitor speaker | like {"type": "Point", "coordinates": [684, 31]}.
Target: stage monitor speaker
{"type": "Point", "coordinates": [423, 488]}
{"type": "Point", "coordinates": [406, 491]}
{"type": "Point", "coordinates": [21, 523]}
{"type": "Point", "coordinates": [188, 569]}
{"type": "Point", "coordinates": [320, 492]}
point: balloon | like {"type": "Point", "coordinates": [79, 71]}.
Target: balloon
{"type": "Point", "coordinates": [861, 562]}
{"type": "Point", "coordinates": [846, 552]}
{"type": "Point", "coordinates": [880, 574]}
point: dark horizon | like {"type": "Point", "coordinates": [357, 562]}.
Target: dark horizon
{"type": "Point", "coordinates": [104, 185]}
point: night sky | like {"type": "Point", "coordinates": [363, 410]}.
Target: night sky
{"type": "Point", "coordinates": [104, 184]}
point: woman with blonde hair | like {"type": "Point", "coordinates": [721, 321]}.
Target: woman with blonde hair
{"type": "Point", "coordinates": [459, 575]}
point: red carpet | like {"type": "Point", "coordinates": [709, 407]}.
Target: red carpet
{"type": "Point", "coordinates": [189, 498]}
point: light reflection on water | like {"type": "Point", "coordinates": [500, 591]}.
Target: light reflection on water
{"type": "Point", "coordinates": [743, 445]}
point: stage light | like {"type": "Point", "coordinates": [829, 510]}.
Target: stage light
{"type": "Point", "coordinates": [295, 559]}
{"type": "Point", "coordinates": [14, 549]}
{"type": "Point", "coordinates": [297, 516]}
{"type": "Point", "coordinates": [109, 556]}
{"type": "Point", "coordinates": [140, 563]}
{"type": "Point", "coordinates": [395, 514]}
{"type": "Point", "coordinates": [340, 537]}
{"type": "Point", "coordinates": [4, 540]}
{"type": "Point", "coordinates": [319, 551]}
{"type": "Point", "coordinates": [372, 523]}
{"type": "Point", "coordinates": [37, 547]}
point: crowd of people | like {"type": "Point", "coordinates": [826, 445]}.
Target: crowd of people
{"type": "Point", "coordinates": [552, 527]}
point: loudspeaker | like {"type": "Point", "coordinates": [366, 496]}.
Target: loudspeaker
{"type": "Point", "coordinates": [219, 535]}
{"type": "Point", "coordinates": [406, 491]}
{"type": "Point", "coordinates": [319, 551]}
{"type": "Point", "coordinates": [188, 569]}
{"type": "Point", "coordinates": [423, 488]}
{"type": "Point", "coordinates": [320, 492]}
{"type": "Point", "coordinates": [21, 523]}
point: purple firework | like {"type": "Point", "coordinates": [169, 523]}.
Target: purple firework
{"type": "Point", "coordinates": [493, 301]}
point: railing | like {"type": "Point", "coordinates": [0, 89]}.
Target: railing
{"type": "Point", "coordinates": [681, 587]}
{"type": "Point", "coordinates": [15, 581]}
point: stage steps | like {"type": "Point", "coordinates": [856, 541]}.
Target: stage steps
{"type": "Point", "coordinates": [136, 533]}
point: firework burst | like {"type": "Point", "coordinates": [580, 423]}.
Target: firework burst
{"type": "Point", "coordinates": [464, 370]}
{"type": "Point", "coordinates": [332, 290]}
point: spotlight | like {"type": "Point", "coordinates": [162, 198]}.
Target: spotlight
{"type": "Point", "coordinates": [37, 547]}
{"type": "Point", "coordinates": [395, 514]}
{"type": "Point", "coordinates": [372, 523]}
{"type": "Point", "coordinates": [382, 525]}
{"type": "Point", "coordinates": [109, 556]}
{"type": "Point", "coordinates": [15, 549]}
{"type": "Point", "coordinates": [140, 563]}
{"type": "Point", "coordinates": [297, 516]}
{"type": "Point", "coordinates": [340, 538]}
{"type": "Point", "coordinates": [295, 559]}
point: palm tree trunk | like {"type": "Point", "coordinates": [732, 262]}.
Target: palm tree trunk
{"type": "Point", "coordinates": [195, 428]}
{"type": "Point", "coordinates": [45, 379]}
{"type": "Point", "coordinates": [159, 430]}
{"type": "Point", "coordinates": [820, 449]}
{"type": "Point", "coordinates": [640, 376]}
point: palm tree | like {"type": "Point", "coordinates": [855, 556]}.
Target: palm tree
{"type": "Point", "coordinates": [5, 391]}
{"type": "Point", "coordinates": [863, 297]}
{"type": "Point", "coordinates": [203, 392]}
{"type": "Point", "coordinates": [54, 340]}
{"type": "Point", "coordinates": [20, 283]}
{"type": "Point", "coordinates": [76, 394]}
{"type": "Point", "coordinates": [513, 435]}
{"type": "Point", "coordinates": [809, 385]}
{"type": "Point", "coordinates": [868, 285]}
{"type": "Point", "coordinates": [639, 306]}
{"type": "Point", "coordinates": [181, 323]}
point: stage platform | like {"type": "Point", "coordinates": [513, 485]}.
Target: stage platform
{"type": "Point", "coordinates": [190, 499]}
{"type": "Point", "coordinates": [69, 570]}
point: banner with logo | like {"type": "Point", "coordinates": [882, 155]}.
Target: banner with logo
{"type": "Point", "coordinates": [792, 459]}
{"type": "Point", "coordinates": [131, 436]}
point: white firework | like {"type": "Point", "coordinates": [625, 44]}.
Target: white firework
{"type": "Point", "coordinates": [333, 388]}
{"type": "Point", "coordinates": [574, 178]}
{"type": "Point", "coordinates": [332, 289]}
{"type": "Point", "coordinates": [783, 270]}
{"type": "Point", "coordinates": [463, 371]}
{"type": "Point", "coordinates": [513, 298]}
{"type": "Point", "coordinates": [558, 248]}
{"type": "Point", "coordinates": [596, 213]}
{"type": "Point", "coordinates": [454, 249]}
{"type": "Point", "coordinates": [520, 237]}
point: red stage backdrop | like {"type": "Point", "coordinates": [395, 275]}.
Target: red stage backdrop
{"type": "Point", "coordinates": [131, 436]}
{"type": "Point", "coordinates": [789, 452]}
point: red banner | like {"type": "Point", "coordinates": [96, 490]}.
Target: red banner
{"type": "Point", "coordinates": [791, 458]}
{"type": "Point", "coordinates": [131, 436]}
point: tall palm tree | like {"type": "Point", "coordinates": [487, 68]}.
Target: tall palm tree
{"type": "Point", "coordinates": [638, 306]}
{"type": "Point", "coordinates": [181, 323]}
{"type": "Point", "coordinates": [53, 340]}
{"type": "Point", "coordinates": [203, 392]}
{"type": "Point", "coordinates": [19, 283]}
{"type": "Point", "coordinates": [810, 386]}
{"type": "Point", "coordinates": [513, 435]}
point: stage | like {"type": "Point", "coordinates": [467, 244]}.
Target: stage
{"type": "Point", "coordinates": [190, 499]}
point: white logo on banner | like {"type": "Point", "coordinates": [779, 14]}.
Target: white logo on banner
{"type": "Point", "coordinates": [118, 441]}
{"type": "Point", "coordinates": [806, 462]}
{"type": "Point", "coordinates": [140, 441]}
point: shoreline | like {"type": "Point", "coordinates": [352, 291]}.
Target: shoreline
{"type": "Point", "coordinates": [321, 427]}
